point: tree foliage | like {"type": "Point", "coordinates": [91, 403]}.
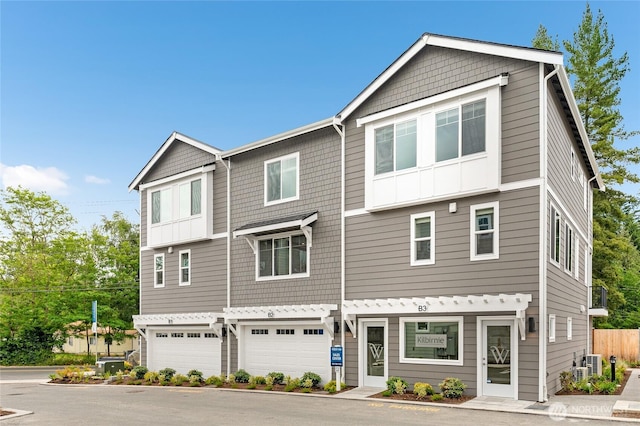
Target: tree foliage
{"type": "Point", "coordinates": [50, 273]}
{"type": "Point", "coordinates": [542, 40]}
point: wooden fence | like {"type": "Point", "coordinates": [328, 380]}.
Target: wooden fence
{"type": "Point", "coordinates": [624, 344]}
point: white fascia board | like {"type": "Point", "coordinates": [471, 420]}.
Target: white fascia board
{"type": "Point", "coordinates": [443, 304]}
{"type": "Point", "coordinates": [283, 311]}
{"type": "Point", "coordinates": [172, 138]}
{"type": "Point", "coordinates": [203, 169]}
{"type": "Point", "coordinates": [575, 112]}
{"type": "Point", "coordinates": [501, 80]}
{"type": "Point", "coordinates": [279, 137]}
{"type": "Point", "coordinates": [205, 318]}
{"type": "Point", "coordinates": [275, 226]}
{"type": "Point", "coordinates": [524, 53]}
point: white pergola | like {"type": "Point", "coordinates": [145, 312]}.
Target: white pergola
{"type": "Point", "coordinates": [141, 322]}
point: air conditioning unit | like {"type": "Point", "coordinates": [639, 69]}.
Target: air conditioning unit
{"type": "Point", "coordinates": [582, 373]}
{"type": "Point", "coordinates": [596, 363]}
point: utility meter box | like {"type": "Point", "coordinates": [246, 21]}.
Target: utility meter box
{"type": "Point", "coordinates": [111, 367]}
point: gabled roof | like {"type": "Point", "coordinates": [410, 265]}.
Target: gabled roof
{"type": "Point", "coordinates": [175, 136]}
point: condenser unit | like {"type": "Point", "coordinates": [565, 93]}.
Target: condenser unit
{"type": "Point", "coordinates": [582, 373]}
{"type": "Point", "coordinates": [595, 360]}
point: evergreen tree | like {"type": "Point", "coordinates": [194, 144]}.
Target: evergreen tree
{"type": "Point", "coordinates": [543, 40]}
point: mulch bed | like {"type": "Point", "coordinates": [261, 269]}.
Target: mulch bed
{"type": "Point", "coordinates": [68, 381]}
{"type": "Point", "coordinates": [618, 391]}
{"type": "Point", "coordinates": [412, 397]}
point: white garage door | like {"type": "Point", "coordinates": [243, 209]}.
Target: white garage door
{"type": "Point", "coordinates": [184, 350]}
{"type": "Point", "coordinates": [292, 350]}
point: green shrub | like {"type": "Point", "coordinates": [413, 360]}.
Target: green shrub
{"type": "Point", "coordinates": [231, 379]}
{"type": "Point", "coordinates": [292, 384]}
{"type": "Point", "coordinates": [437, 397]}
{"type": "Point", "coordinates": [179, 379]}
{"type": "Point", "coordinates": [260, 380]}
{"type": "Point", "coordinates": [606, 387]}
{"type": "Point", "coordinates": [331, 386]}
{"type": "Point", "coordinates": [278, 377]}
{"type": "Point", "coordinates": [422, 389]}
{"type": "Point", "coordinates": [316, 379]}
{"type": "Point", "coordinates": [566, 381]}
{"type": "Point", "coordinates": [242, 376]}
{"type": "Point", "coordinates": [397, 385]}
{"type": "Point", "coordinates": [195, 373]}
{"type": "Point", "coordinates": [268, 381]}
{"type": "Point", "coordinates": [167, 373]}
{"type": "Point", "coordinates": [387, 392]}
{"type": "Point", "coordinates": [139, 371]}
{"type": "Point", "coordinates": [151, 376]}
{"type": "Point", "coordinates": [214, 381]}
{"type": "Point", "coordinates": [452, 387]}
{"type": "Point", "coordinates": [306, 383]}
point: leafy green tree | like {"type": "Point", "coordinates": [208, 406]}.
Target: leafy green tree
{"type": "Point", "coordinates": [542, 40]}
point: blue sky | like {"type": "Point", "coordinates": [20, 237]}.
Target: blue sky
{"type": "Point", "coordinates": [90, 90]}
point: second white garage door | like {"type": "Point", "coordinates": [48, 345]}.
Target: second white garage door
{"type": "Point", "coordinates": [184, 350]}
{"type": "Point", "coordinates": [289, 349]}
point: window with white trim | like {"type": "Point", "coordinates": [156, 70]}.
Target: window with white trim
{"type": "Point", "coordinates": [485, 231]}
{"type": "Point", "coordinates": [552, 327]}
{"type": "Point", "coordinates": [92, 340]}
{"type": "Point", "coordinates": [281, 179]}
{"type": "Point", "coordinates": [585, 193]}
{"type": "Point", "coordinates": [574, 164]}
{"type": "Point", "coordinates": [189, 202]}
{"type": "Point", "coordinates": [569, 241]}
{"type": "Point", "coordinates": [554, 252]}
{"type": "Point", "coordinates": [158, 270]}
{"type": "Point", "coordinates": [576, 269]}
{"type": "Point", "coordinates": [436, 340]}
{"type": "Point", "coordinates": [185, 267]}
{"type": "Point", "coordinates": [569, 328]}
{"type": "Point", "coordinates": [282, 256]}
{"type": "Point", "coordinates": [395, 147]}
{"type": "Point", "coordinates": [423, 239]}
{"type": "Point", "coordinates": [456, 138]}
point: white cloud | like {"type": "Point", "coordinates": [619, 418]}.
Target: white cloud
{"type": "Point", "coordinates": [96, 180]}
{"type": "Point", "coordinates": [48, 179]}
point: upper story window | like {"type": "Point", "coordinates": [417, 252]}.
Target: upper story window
{"type": "Point", "coordinates": [281, 179]}
{"type": "Point", "coordinates": [185, 267]}
{"type": "Point", "coordinates": [554, 253]}
{"type": "Point", "coordinates": [282, 256]}
{"type": "Point", "coordinates": [396, 147]}
{"type": "Point", "coordinates": [158, 270]}
{"type": "Point", "coordinates": [423, 239]}
{"type": "Point", "coordinates": [568, 248]}
{"type": "Point", "coordinates": [455, 137]}
{"type": "Point", "coordinates": [484, 231]}
{"type": "Point", "coordinates": [189, 202]}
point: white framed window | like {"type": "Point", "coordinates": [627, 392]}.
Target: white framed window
{"type": "Point", "coordinates": [92, 340]}
{"type": "Point", "coordinates": [184, 269]}
{"type": "Point", "coordinates": [552, 327]}
{"type": "Point", "coordinates": [576, 268]}
{"type": "Point", "coordinates": [423, 239]}
{"type": "Point", "coordinates": [281, 179]}
{"type": "Point", "coordinates": [190, 198]}
{"type": "Point", "coordinates": [587, 268]}
{"type": "Point", "coordinates": [189, 202]}
{"type": "Point", "coordinates": [431, 340]}
{"type": "Point", "coordinates": [456, 138]}
{"type": "Point", "coordinates": [569, 241]}
{"type": "Point", "coordinates": [485, 231]}
{"type": "Point", "coordinates": [70, 341]}
{"type": "Point", "coordinates": [395, 146]}
{"type": "Point", "coordinates": [282, 256]}
{"type": "Point", "coordinates": [574, 164]}
{"type": "Point", "coordinates": [569, 328]}
{"type": "Point", "coordinates": [585, 193]}
{"type": "Point", "coordinates": [158, 270]}
{"type": "Point", "coordinates": [554, 252]}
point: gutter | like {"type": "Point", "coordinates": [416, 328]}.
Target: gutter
{"type": "Point", "coordinates": [342, 132]}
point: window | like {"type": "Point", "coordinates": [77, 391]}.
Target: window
{"type": "Point", "coordinates": [287, 331]}
{"type": "Point", "coordinates": [316, 331]}
{"type": "Point", "coordinates": [569, 328]}
{"type": "Point", "coordinates": [552, 327]}
{"type": "Point", "coordinates": [259, 331]}
{"type": "Point", "coordinates": [190, 198]}
{"type": "Point", "coordinates": [92, 340]}
{"type": "Point", "coordinates": [161, 206]}
{"type": "Point", "coordinates": [422, 239]}
{"type": "Point", "coordinates": [576, 269]}
{"type": "Point", "coordinates": [162, 335]}
{"type": "Point", "coordinates": [436, 340]}
{"type": "Point", "coordinates": [210, 335]}
{"type": "Point", "coordinates": [70, 341]}
{"type": "Point", "coordinates": [574, 164]}
{"type": "Point", "coordinates": [193, 335]}
{"type": "Point", "coordinates": [158, 277]}
{"type": "Point", "coordinates": [399, 139]}
{"type": "Point", "coordinates": [177, 335]}
{"type": "Point", "coordinates": [282, 256]}
{"type": "Point", "coordinates": [454, 136]}
{"type": "Point", "coordinates": [484, 231]}
{"type": "Point", "coordinates": [189, 202]}
{"type": "Point", "coordinates": [185, 267]}
{"type": "Point", "coordinates": [568, 248]}
{"type": "Point", "coordinates": [585, 193]}
{"type": "Point", "coordinates": [281, 179]}
{"type": "Point", "coordinates": [555, 236]}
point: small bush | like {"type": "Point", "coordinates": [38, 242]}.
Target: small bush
{"type": "Point", "coordinates": [231, 379]}
{"type": "Point", "coordinates": [179, 379]}
{"type": "Point", "coordinates": [606, 387]}
{"type": "Point", "coordinates": [139, 371]}
{"type": "Point", "coordinates": [268, 381]}
{"type": "Point", "coordinates": [422, 389]}
{"type": "Point", "coordinates": [151, 376]}
{"type": "Point", "coordinates": [437, 397]}
{"type": "Point", "coordinates": [397, 385]}
{"type": "Point", "coordinates": [331, 386]}
{"type": "Point", "coordinates": [387, 393]}
{"type": "Point", "coordinates": [167, 373]}
{"type": "Point", "coordinates": [306, 383]}
{"type": "Point", "coordinates": [566, 381]}
{"type": "Point", "coordinates": [452, 387]}
{"type": "Point", "coordinates": [260, 380]}
{"type": "Point", "coordinates": [195, 373]}
{"type": "Point", "coordinates": [292, 384]}
{"type": "Point", "coordinates": [214, 381]}
{"type": "Point", "coordinates": [316, 379]}
{"type": "Point", "coordinates": [278, 378]}
{"type": "Point", "coordinates": [242, 376]}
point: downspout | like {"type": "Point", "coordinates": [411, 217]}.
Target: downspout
{"type": "Point", "coordinates": [228, 167]}
{"type": "Point", "coordinates": [588, 277]}
{"type": "Point", "coordinates": [542, 291]}
{"type": "Point", "coordinates": [342, 132]}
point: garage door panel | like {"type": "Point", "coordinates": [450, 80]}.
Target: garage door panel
{"type": "Point", "coordinates": [184, 350]}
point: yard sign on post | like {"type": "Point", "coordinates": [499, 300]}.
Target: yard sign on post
{"type": "Point", "coordinates": [94, 323]}
{"type": "Point", "coordinates": [336, 361]}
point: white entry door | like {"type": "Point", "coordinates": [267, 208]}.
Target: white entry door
{"type": "Point", "coordinates": [499, 358]}
{"type": "Point", "coordinates": [374, 353]}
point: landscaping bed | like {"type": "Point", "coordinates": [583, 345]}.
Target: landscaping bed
{"type": "Point", "coordinates": [594, 386]}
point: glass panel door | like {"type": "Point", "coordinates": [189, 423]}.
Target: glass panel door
{"type": "Point", "coordinates": [498, 353]}
{"type": "Point", "coordinates": [375, 354]}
